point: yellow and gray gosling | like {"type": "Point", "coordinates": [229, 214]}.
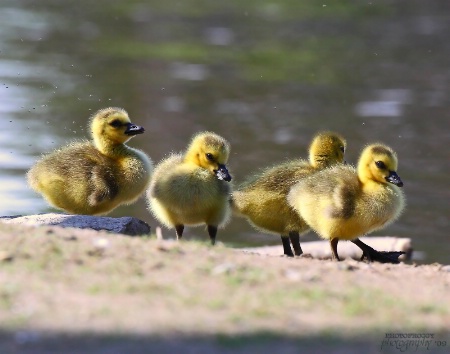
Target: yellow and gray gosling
{"type": "Point", "coordinates": [192, 188]}
{"type": "Point", "coordinates": [262, 199]}
{"type": "Point", "coordinates": [94, 177]}
{"type": "Point", "coordinates": [343, 203]}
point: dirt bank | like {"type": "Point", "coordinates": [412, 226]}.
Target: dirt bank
{"type": "Point", "coordinates": [82, 291]}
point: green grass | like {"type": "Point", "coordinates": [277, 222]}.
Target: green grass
{"type": "Point", "coordinates": [310, 60]}
{"type": "Point", "coordinates": [282, 9]}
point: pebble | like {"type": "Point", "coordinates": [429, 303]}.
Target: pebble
{"type": "Point", "coordinates": [6, 256]}
{"type": "Point", "coordinates": [346, 266]}
{"type": "Point", "coordinates": [296, 276]}
{"type": "Point", "coordinates": [224, 268]}
{"type": "Point", "coordinates": [292, 275]}
{"type": "Point", "coordinates": [101, 243]}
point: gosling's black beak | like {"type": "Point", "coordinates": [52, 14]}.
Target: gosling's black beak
{"type": "Point", "coordinates": [222, 173]}
{"type": "Point", "coordinates": [133, 129]}
{"type": "Point", "coordinates": [394, 179]}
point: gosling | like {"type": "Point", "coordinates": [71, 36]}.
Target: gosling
{"type": "Point", "coordinates": [192, 188]}
{"type": "Point", "coordinates": [342, 203]}
{"type": "Point", "coordinates": [262, 200]}
{"type": "Point", "coordinates": [94, 177]}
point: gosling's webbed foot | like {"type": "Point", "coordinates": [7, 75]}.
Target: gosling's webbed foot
{"type": "Point", "coordinates": [372, 255]}
{"type": "Point", "coordinates": [383, 256]}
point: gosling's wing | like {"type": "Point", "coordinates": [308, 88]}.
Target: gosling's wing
{"type": "Point", "coordinates": [102, 184]}
{"type": "Point", "coordinates": [331, 193]}
{"type": "Point", "coordinates": [344, 192]}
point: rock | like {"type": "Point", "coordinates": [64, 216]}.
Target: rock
{"type": "Point", "coordinates": [125, 225]}
{"type": "Point", "coordinates": [446, 268]}
{"type": "Point", "coordinates": [26, 337]}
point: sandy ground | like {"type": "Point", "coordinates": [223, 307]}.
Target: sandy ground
{"type": "Point", "coordinates": [82, 291]}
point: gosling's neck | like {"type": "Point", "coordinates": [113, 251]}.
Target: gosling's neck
{"type": "Point", "coordinates": [369, 184]}
{"type": "Point", "coordinates": [111, 148]}
{"type": "Point", "coordinates": [319, 161]}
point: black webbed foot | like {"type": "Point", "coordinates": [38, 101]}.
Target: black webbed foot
{"type": "Point", "coordinates": [383, 256]}
{"type": "Point", "coordinates": [372, 255]}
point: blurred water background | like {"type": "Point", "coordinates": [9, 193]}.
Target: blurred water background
{"type": "Point", "coordinates": [264, 74]}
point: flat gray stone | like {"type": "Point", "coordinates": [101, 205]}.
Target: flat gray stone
{"type": "Point", "coordinates": [446, 268]}
{"type": "Point", "coordinates": [126, 225]}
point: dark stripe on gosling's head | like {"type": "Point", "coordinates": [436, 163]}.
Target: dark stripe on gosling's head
{"type": "Point", "coordinates": [214, 140]}
{"type": "Point", "coordinates": [382, 150]}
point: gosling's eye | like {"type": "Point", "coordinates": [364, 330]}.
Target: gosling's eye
{"type": "Point", "coordinates": [380, 165]}
{"type": "Point", "coordinates": [210, 157]}
{"type": "Point", "coordinates": [116, 123]}
{"type": "Point", "coordinates": [343, 149]}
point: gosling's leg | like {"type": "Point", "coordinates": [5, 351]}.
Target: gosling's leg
{"type": "Point", "coordinates": [367, 250]}
{"type": "Point", "coordinates": [179, 230]}
{"type": "Point", "coordinates": [212, 231]}
{"type": "Point", "coordinates": [287, 246]}
{"type": "Point", "coordinates": [295, 240]}
{"type": "Point", "coordinates": [374, 255]}
{"type": "Point", "coordinates": [334, 254]}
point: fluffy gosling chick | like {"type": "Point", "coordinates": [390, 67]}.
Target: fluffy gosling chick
{"type": "Point", "coordinates": [94, 177]}
{"type": "Point", "coordinates": [342, 203]}
{"type": "Point", "coordinates": [192, 188]}
{"type": "Point", "coordinates": [262, 199]}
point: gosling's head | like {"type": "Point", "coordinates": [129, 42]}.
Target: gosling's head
{"type": "Point", "coordinates": [379, 163]}
{"type": "Point", "coordinates": [210, 151]}
{"type": "Point", "coordinates": [113, 125]}
{"type": "Point", "coordinates": [327, 149]}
